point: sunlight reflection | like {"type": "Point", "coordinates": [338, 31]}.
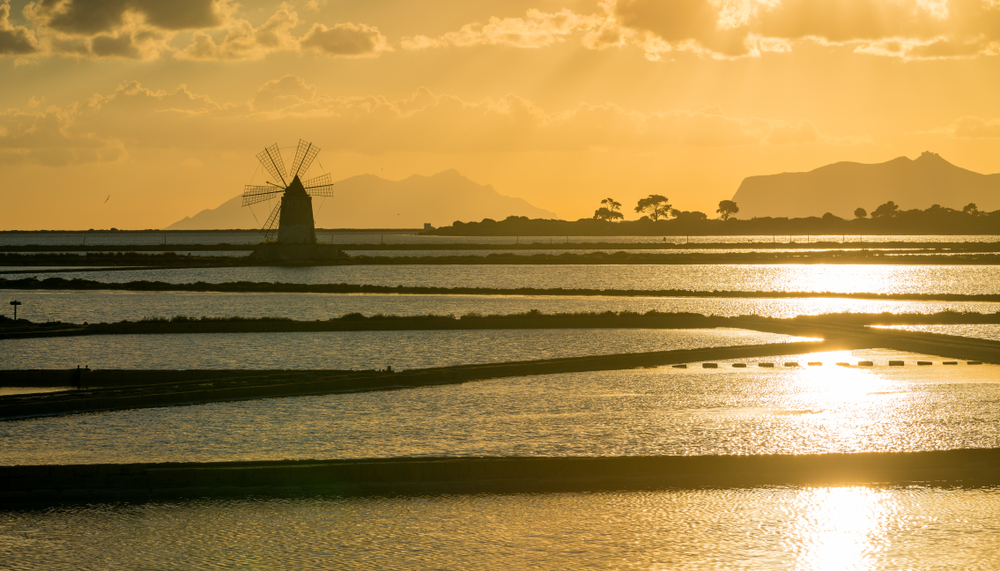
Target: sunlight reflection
{"type": "Point", "coordinates": [840, 278]}
{"type": "Point", "coordinates": [841, 528]}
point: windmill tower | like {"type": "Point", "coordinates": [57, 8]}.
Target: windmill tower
{"type": "Point", "coordinates": [292, 217]}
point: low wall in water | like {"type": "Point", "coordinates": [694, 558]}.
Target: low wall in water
{"type": "Point", "coordinates": [55, 484]}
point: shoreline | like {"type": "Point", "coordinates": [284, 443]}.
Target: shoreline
{"type": "Point", "coordinates": [122, 390]}
{"type": "Point", "coordinates": [64, 284]}
{"type": "Point", "coordinates": [529, 320]}
{"type": "Point", "coordinates": [38, 485]}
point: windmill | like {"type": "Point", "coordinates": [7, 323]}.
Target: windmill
{"type": "Point", "coordinates": [292, 217]}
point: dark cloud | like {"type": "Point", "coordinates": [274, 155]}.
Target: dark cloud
{"type": "Point", "coordinates": [672, 21]}
{"type": "Point", "coordinates": [14, 40]}
{"type": "Point", "coordinates": [182, 15]}
{"type": "Point", "coordinates": [89, 17]}
{"type": "Point", "coordinates": [110, 46]}
{"type": "Point", "coordinates": [352, 40]}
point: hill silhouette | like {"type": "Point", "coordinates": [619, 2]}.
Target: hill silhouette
{"type": "Point", "coordinates": [842, 187]}
{"type": "Point", "coordinates": [369, 201]}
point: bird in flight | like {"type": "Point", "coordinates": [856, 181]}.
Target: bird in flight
{"type": "Point", "coordinates": [107, 199]}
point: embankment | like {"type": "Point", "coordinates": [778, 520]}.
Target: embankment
{"type": "Point", "coordinates": [270, 384]}
{"type": "Point", "coordinates": [31, 485]}
{"type": "Point", "coordinates": [60, 284]}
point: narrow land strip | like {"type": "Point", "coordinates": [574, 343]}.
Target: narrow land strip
{"type": "Point", "coordinates": [830, 323]}
{"type": "Point", "coordinates": [76, 284]}
{"type": "Point", "coordinates": [55, 484]}
{"type": "Point", "coordinates": [204, 388]}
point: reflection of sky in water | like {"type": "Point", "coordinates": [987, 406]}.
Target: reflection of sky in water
{"type": "Point", "coordinates": [111, 306]}
{"type": "Point", "coordinates": [756, 528]}
{"type": "Point", "coordinates": [324, 236]}
{"type": "Point", "coordinates": [839, 278]}
{"type": "Point", "coordinates": [990, 331]}
{"type": "Point", "coordinates": [663, 411]}
{"type": "Point", "coordinates": [357, 349]}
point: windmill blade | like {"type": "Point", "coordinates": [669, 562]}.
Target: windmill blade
{"type": "Point", "coordinates": [271, 159]}
{"type": "Point", "coordinates": [304, 155]}
{"type": "Point", "coordinates": [254, 194]}
{"type": "Point", "coordinates": [319, 186]}
{"type": "Point", "coordinates": [272, 223]}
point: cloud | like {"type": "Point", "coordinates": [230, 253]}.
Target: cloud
{"type": "Point", "coordinates": [244, 42]}
{"type": "Point", "coordinates": [726, 29]}
{"type": "Point", "coordinates": [91, 17]}
{"type": "Point", "coordinates": [909, 29]}
{"type": "Point", "coordinates": [134, 116]}
{"type": "Point", "coordinates": [133, 29]}
{"type": "Point", "coordinates": [48, 137]}
{"type": "Point", "coordinates": [132, 97]}
{"type": "Point", "coordinates": [289, 91]}
{"type": "Point", "coordinates": [970, 127]}
{"type": "Point", "coordinates": [15, 40]}
{"type": "Point", "coordinates": [345, 40]}
{"type": "Point", "coordinates": [426, 121]}
{"type": "Point", "coordinates": [537, 30]}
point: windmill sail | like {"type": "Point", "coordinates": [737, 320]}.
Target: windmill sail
{"type": "Point", "coordinates": [254, 194]}
{"type": "Point", "coordinates": [271, 159]}
{"type": "Point", "coordinates": [304, 156]}
{"type": "Point", "coordinates": [319, 186]}
{"type": "Point", "coordinates": [272, 223]}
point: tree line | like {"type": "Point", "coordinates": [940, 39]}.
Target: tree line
{"type": "Point", "coordinates": [660, 218]}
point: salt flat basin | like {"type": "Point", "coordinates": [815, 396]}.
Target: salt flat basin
{"type": "Point", "coordinates": [642, 412]}
{"type": "Point", "coordinates": [110, 306]}
{"type": "Point", "coordinates": [818, 278]}
{"type": "Point", "coordinates": [772, 528]}
{"type": "Point", "coordinates": [358, 349]}
{"type": "Point", "coordinates": [989, 331]}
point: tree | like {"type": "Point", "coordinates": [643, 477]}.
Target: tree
{"type": "Point", "coordinates": [610, 211]}
{"type": "Point", "coordinates": [727, 208]}
{"type": "Point", "coordinates": [685, 216]}
{"type": "Point", "coordinates": [971, 209]}
{"type": "Point", "coordinates": [612, 204]}
{"type": "Point", "coordinates": [655, 206]}
{"type": "Point", "coordinates": [860, 213]}
{"type": "Point", "coordinates": [887, 210]}
{"type": "Point", "coordinates": [606, 214]}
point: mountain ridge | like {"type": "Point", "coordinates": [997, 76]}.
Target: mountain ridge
{"type": "Point", "coordinates": [841, 187]}
{"type": "Point", "coordinates": [370, 201]}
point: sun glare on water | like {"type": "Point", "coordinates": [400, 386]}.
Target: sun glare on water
{"type": "Point", "coordinates": [840, 528]}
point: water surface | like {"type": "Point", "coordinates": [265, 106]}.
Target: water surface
{"type": "Point", "coordinates": [989, 331]}
{"type": "Point", "coordinates": [357, 349]}
{"type": "Point", "coordinates": [759, 528]}
{"type": "Point", "coordinates": [111, 306]}
{"type": "Point", "coordinates": [635, 412]}
{"type": "Point", "coordinates": [816, 278]}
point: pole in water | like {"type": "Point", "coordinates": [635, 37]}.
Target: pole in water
{"type": "Point", "coordinates": [15, 304]}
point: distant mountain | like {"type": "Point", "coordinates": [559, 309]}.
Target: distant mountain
{"type": "Point", "coordinates": [840, 188]}
{"type": "Point", "coordinates": [367, 201]}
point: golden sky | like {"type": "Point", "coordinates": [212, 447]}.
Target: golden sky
{"type": "Point", "coordinates": [136, 113]}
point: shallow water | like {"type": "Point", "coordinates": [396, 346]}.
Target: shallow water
{"type": "Point", "coordinates": [664, 411]}
{"type": "Point", "coordinates": [105, 238]}
{"type": "Point", "coordinates": [990, 331]}
{"type": "Point", "coordinates": [357, 349]}
{"type": "Point", "coordinates": [758, 528]}
{"type": "Point", "coordinates": [818, 278]}
{"type": "Point", "coordinates": [111, 306]}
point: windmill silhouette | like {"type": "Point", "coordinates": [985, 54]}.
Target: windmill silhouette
{"type": "Point", "coordinates": [292, 217]}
